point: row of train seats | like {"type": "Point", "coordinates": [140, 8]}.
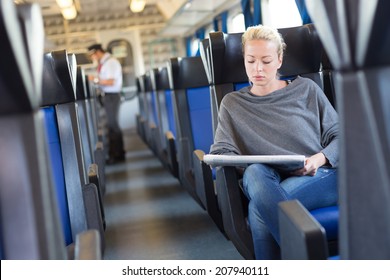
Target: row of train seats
{"type": "Point", "coordinates": [179, 113]}
{"type": "Point", "coordinates": [52, 164]}
{"type": "Point", "coordinates": [357, 48]}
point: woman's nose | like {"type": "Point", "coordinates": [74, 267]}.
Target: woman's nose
{"type": "Point", "coordinates": [259, 66]}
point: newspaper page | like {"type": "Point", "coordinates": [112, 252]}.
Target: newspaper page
{"type": "Point", "coordinates": [282, 162]}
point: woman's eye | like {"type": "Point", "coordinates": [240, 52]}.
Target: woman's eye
{"type": "Point", "coordinates": [251, 61]}
{"type": "Point", "coordinates": [267, 62]}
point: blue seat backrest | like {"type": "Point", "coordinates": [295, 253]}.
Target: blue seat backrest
{"type": "Point", "coordinates": [170, 112]}
{"type": "Point", "coordinates": [200, 117]}
{"type": "Point", "coordinates": [57, 168]}
{"type": "Point", "coordinates": [151, 100]}
{"type": "Point", "coordinates": [188, 75]}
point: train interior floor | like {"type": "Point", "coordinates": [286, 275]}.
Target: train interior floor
{"type": "Point", "coordinates": [150, 216]}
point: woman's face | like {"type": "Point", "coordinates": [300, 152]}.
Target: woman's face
{"type": "Point", "coordinates": [261, 61]}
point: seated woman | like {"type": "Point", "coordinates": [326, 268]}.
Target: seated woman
{"type": "Point", "coordinates": [276, 117]}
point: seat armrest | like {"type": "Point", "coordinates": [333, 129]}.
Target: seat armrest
{"type": "Point", "coordinates": [87, 246]}
{"type": "Point", "coordinates": [94, 178]}
{"type": "Point", "coordinates": [205, 188]}
{"type": "Point", "coordinates": [93, 210]}
{"type": "Point", "coordinates": [231, 201]}
{"type": "Point", "coordinates": [301, 235]}
{"type": "Point", "coordinates": [171, 154]}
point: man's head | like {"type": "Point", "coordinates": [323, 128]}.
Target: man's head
{"type": "Point", "coordinates": [95, 51]}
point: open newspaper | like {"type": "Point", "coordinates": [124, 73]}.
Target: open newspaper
{"type": "Point", "coordinates": [282, 162]}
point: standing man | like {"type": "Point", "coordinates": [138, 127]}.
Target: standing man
{"type": "Point", "coordinates": [109, 78]}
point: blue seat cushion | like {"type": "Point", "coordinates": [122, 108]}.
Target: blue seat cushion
{"type": "Point", "coordinates": [200, 117]}
{"type": "Point", "coordinates": [328, 217]}
{"type": "Point", "coordinates": [55, 157]}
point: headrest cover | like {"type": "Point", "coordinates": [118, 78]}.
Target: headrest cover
{"type": "Point", "coordinates": [354, 33]}
{"type": "Point", "coordinates": [81, 90]}
{"type": "Point", "coordinates": [304, 51]}
{"type": "Point", "coordinates": [187, 72]}
{"type": "Point", "coordinates": [162, 79]}
{"type": "Point", "coordinates": [153, 76]}
{"type": "Point", "coordinates": [148, 81]}
{"type": "Point", "coordinates": [33, 31]}
{"type": "Point", "coordinates": [16, 86]}
{"type": "Point", "coordinates": [58, 85]}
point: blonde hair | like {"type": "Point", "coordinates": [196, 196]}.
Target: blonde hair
{"type": "Point", "coordinates": [262, 32]}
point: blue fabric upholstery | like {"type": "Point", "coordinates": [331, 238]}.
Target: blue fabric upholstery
{"type": "Point", "coordinates": [171, 115]}
{"type": "Point", "coordinates": [200, 117]}
{"type": "Point", "coordinates": [328, 217]}
{"type": "Point", "coordinates": [53, 141]}
{"type": "Point", "coordinates": [154, 108]}
{"type": "Point", "coordinates": [238, 86]}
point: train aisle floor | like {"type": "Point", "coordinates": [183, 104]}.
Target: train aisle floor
{"type": "Point", "coordinates": [150, 216]}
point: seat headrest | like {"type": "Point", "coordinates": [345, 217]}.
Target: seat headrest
{"type": "Point", "coordinates": [162, 79]}
{"type": "Point", "coordinates": [153, 73]}
{"type": "Point", "coordinates": [31, 20]}
{"type": "Point", "coordinates": [186, 72]}
{"type": "Point", "coordinates": [304, 51]}
{"type": "Point", "coordinates": [302, 56]}
{"type": "Point", "coordinates": [148, 82]}
{"type": "Point", "coordinates": [140, 81]}
{"type": "Point", "coordinates": [204, 50]}
{"type": "Point", "coordinates": [16, 82]}
{"type": "Point", "coordinates": [81, 88]}
{"type": "Point", "coordinates": [227, 62]}
{"type": "Point", "coordinates": [58, 85]}
{"type": "Point", "coordinates": [354, 34]}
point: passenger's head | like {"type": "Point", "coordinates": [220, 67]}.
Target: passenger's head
{"type": "Point", "coordinates": [263, 49]}
{"type": "Point", "coordinates": [96, 51]}
{"type": "Point", "coordinates": [266, 33]}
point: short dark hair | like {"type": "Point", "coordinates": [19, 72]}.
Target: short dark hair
{"type": "Point", "coordinates": [95, 47]}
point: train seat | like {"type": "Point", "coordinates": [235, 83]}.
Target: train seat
{"type": "Point", "coordinates": [190, 88]}
{"type": "Point", "coordinates": [150, 120]}
{"type": "Point", "coordinates": [83, 197]}
{"type": "Point", "coordinates": [92, 147]}
{"type": "Point", "coordinates": [141, 116]}
{"type": "Point", "coordinates": [358, 52]}
{"type": "Point", "coordinates": [225, 54]}
{"type": "Point", "coordinates": [166, 145]}
{"type": "Point", "coordinates": [30, 223]}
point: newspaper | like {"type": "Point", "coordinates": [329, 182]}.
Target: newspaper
{"type": "Point", "coordinates": [282, 162]}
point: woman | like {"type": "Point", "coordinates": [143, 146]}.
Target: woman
{"type": "Point", "coordinates": [276, 117]}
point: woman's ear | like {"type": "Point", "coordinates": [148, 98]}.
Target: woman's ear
{"type": "Point", "coordinates": [280, 61]}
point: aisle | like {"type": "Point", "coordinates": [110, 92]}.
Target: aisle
{"type": "Point", "coordinates": [150, 216]}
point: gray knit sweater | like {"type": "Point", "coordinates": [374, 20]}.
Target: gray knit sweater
{"type": "Point", "coordinates": [297, 119]}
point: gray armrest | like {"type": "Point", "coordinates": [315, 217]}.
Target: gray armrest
{"type": "Point", "coordinates": [171, 153]}
{"type": "Point", "coordinates": [93, 210]}
{"type": "Point", "coordinates": [205, 188]}
{"type": "Point", "coordinates": [87, 246]}
{"type": "Point", "coordinates": [301, 236]}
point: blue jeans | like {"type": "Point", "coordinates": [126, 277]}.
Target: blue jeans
{"type": "Point", "coordinates": [265, 187]}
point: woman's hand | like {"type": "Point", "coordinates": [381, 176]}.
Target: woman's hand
{"type": "Point", "coordinates": [311, 165]}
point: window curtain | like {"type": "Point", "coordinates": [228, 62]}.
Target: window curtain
{"type": "Point", "coordinates": [221, 21]}
{"type": "Point", "coordinates": [303, 11]}
{"type": "Point", "coordinates": [257, 18]}
{"type": "Point", "coordinates": [246, 10]}
{"type": "Point", "coordinates": [250, 19]}
{"type": "Point", "coordinates": [188, 46]}
{"type": "Point", "coordinates": [224, 17]}
{"type": "Point", "coordinates": [200, 34]}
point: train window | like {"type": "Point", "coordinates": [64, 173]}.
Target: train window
{"type": "Point", "coordinates": [237, 24]}
{"type": "Point", "coordinates": [280, 13]}
{"type": "Point", "coordinates": [209, 29]}
{"type": "Point", "coordinates": [194, 46]}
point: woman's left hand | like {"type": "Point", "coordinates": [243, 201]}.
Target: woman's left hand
{"type": "Point", "coordinates": [311, 165]}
